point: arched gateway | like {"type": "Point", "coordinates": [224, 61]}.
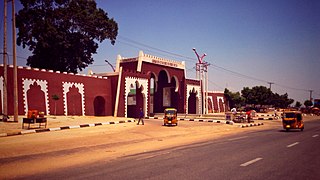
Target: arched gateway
{"type": "Point", "coordinates": [163, 81]}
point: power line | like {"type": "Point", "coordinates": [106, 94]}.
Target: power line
{"type": "Point", "coordinates": [239, 74]}
{"type": "Point", "coordinates": [216, 66]}
{"type": "Point", "coordinates": [136, 44]}
{"type": "Point", "coordinates": [146, 49]}
{"type": "Point", "coordinates": [215, 84]}
{"type": "Point", "coordinates": [292, 88]}
{"type": "Point", "coordinates": [157, 49]}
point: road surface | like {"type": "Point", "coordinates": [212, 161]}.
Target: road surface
{"type": "Point", "coordinates": [253, 153]}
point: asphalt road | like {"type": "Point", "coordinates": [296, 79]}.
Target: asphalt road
{"type": "Point", "coordinates": [262, 154]}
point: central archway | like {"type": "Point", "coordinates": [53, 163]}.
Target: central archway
{"type": "Point", "coordinates": [166, 93]}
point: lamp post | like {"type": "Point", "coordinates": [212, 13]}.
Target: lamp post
{"type": "Point", "coordinates": [200, 67]}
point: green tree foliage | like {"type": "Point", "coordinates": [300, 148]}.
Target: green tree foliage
{"type": "Point", "coordinates": [234, 99]}
{"type": "Point", "coordinates": [258, 95]}
{"type": "Point", "coordinates": [63, 34]}
{"type": "Point", "coordinates": [308, 103]}
{"type": "Point", "coordinates": [281, 101]}
{"type": "Point", "coordinates": [298, 104]}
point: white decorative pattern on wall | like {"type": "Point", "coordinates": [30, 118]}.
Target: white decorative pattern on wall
{"type": "Point", "coordinates": [66, 88]}
{"type": "Point", "coordinates": [44, 88]}
{"type": "Point", "coordinates": [212, 103]}
{"type": "Point", "coordinates": [197, 89]}
{"type": "Point", "coordinates": [142, 82]}
{"type": "Point", "coordinates": [222, 100]}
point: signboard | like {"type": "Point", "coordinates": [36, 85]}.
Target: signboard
{"type": "Point", "coordinates": [132, 100]}
{"type": "Point", "coordinates": [165, 63]}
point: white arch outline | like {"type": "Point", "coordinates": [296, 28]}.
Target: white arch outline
{"type": "Point", "coordinates": [168, 75]}
{"type": "Point", "coordinates": [177, 85]}
{"type": "Point", "coordinates": [193, 88]}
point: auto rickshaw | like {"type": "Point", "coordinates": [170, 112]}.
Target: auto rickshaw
{"type": "Point", "coordinates": [170, 117]}
{"type": "Point", "coordinates": [292, 120]}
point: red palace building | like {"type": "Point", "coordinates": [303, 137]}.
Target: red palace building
{"type": "Point", "coordinates": [148, 82]}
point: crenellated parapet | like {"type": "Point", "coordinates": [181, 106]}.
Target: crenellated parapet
{"type": "Point", "coordinates": [57, 72]}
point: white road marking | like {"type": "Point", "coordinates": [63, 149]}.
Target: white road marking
{"type": "Point", "coordinates": [316, 135]}
{"type": "Point", "coordinates": [251, 162]}
{"type": "Point", "coordinates": [293, 144]}
{"type": "Point", "coordinates": [242, 137]}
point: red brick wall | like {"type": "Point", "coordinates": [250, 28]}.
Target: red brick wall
{"type": "Point", "coordinates": [92, 88]}
{"type": "Point", "coordinates": [214, 96]}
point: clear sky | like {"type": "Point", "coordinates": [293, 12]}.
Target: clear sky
{"type": "Point", "coordinates": [247, 42]}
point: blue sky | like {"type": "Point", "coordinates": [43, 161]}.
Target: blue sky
{"type": "Point", "coordinates": [265, 40]}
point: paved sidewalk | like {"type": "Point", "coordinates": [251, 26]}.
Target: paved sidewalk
{"type": "Point", "coordinates": [55, 123]}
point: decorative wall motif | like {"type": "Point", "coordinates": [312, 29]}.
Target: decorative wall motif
{"type": "Point", "coordinates": [26, 83]}
{"type": "Point", "coordinates": [197, 89]}
{"type": "Point", "coordinates": [66, 88]}
{"type": "Point", "coordinates": [222, 100]}
{"type": "Point", "coordinates": [141, 82]}
{"type": "Point", "coordinates": [210, 104]}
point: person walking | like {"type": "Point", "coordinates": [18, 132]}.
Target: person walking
{"type": "Point", "coordinates": [141, 116]}
{"type": "Point", "coordinates": [248, 114]}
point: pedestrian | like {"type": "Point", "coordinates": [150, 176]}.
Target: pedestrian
{"type": "Point", "coordinates": [141, 116]}
{"type": "Point", "coordinates": [248, 114]}
{"type": "Point", "coordinates": [234, 113]}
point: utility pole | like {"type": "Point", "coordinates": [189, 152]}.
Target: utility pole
{"type": "Point", "coordinates": [270, 83]}
{"type": "Point", "coordinates": [200, 67]}
{"type": "Point", "coordinates": [5, 73]}
{"type": "Point", "coordinates": [205, 66]}
{"type": "Point", "coordinates": [310, 94]}
{"type": "Point", "coordinates": [15, 71]}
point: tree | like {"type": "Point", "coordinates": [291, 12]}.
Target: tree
{"type": "Point", "coordinates": [258, 95]}
{"type": "Point", "coordinates": [281, 101]}
{"type": "Point", "coordinates": [63, 34]}
{"type": "Point", "coordinates": [308, 103]}
{"type": "Point", "coordinates": [298, 104]}
{"type": "Point", "coordinates": [234, 99]}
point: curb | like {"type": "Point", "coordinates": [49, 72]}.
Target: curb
{"type": "Point", "coordinates": [208, 120]}
{"type": "Point", "coordinates": [250, 125]}
{"type": "Point", "coordinates": [199, 120]}
{"type": "Point", "coordinates": [151, 117]}
{"type": "Point", "coordinates": [63, 128]}
{"type": "Point", "coordinates": [219, 121]}
{"type": "Point", "coordinates": [260, 118]}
